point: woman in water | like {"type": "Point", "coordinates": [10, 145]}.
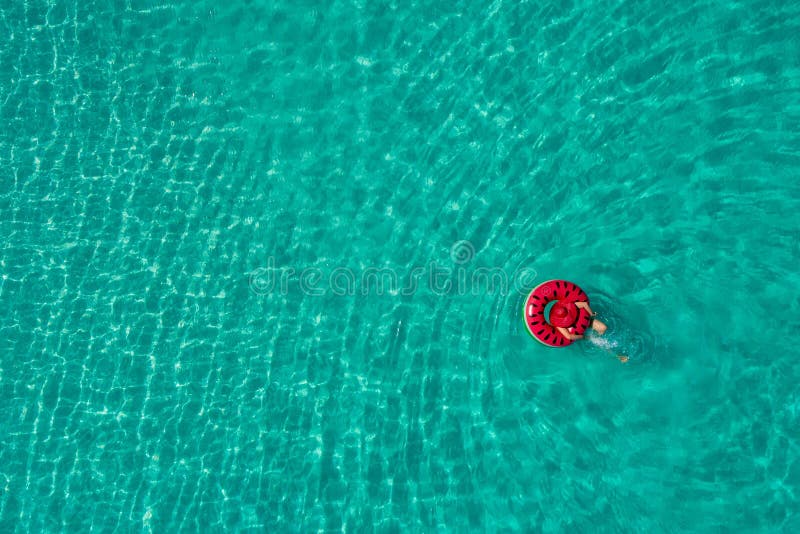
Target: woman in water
{"type": "Point", "coordinates": [563, 316]}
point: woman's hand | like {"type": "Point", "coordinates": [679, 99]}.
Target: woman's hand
{"type": "Point", "coordinates": [569, 335]}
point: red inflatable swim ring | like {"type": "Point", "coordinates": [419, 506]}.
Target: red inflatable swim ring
{"type": "Point", "coordinates": [564, 313]}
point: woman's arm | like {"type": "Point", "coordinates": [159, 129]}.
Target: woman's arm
{"type": "Point", "coordinates": [566, 334]}
{"type": "Point", "coordinates": [585, 305]}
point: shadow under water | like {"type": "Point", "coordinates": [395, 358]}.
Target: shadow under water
{"type": "Point", "coordinates": [630, 331]}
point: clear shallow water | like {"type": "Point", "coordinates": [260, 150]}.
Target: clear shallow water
{"type": "Point", "coordinates": [162, 165]}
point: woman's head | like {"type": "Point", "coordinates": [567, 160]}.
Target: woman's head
{"type": "Point", "coordinates": [563, 314]}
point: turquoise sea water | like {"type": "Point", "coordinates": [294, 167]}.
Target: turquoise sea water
{"type": "Point", "coordinates": [199, 202]}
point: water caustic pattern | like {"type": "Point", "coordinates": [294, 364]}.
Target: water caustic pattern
{"type": "Point", "coordinates": [198, 199]}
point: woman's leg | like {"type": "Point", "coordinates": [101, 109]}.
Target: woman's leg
{"type": "Point", "coordinates": [599, 326]}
